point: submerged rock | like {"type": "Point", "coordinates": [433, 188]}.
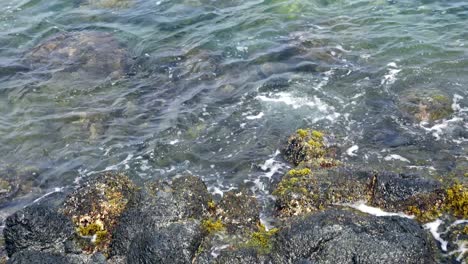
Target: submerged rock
{"type": "Point", "coordinates": [427, 105]}
{"type": "Point", "coordinates": [16, 182]}
{"type": "Point", "coordinates": [108, 3]}
{"type": "Point", "coordinates": [86, 54]}
{"type": "Point", "coordinates": [346, 236]}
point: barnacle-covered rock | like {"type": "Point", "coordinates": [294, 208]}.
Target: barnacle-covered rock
{"type": "Point", "coordinates": [96, 207]}
{"type": "Point", "coordinates": [157, 206]}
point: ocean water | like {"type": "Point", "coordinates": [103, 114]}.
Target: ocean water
{"type": "Point", "coordinates": [214, 87]}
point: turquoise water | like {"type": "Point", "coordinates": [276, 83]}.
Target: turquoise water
{"type": "Point", "coordinates": [214, 88]}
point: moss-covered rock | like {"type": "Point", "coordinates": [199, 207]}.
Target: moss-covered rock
{"type": "Point", "coordinates": [95, 209]}
{"type": "Point", "coordinates": [303, 191]}
{"type": "Point", "coordinates": [309, 147]}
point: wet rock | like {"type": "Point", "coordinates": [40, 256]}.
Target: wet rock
{"type": "Point", "coordinates": [37, 227]}
{"type": "Point", "coordinates": [233, 256]}
{"type": "Point", "coordinates": [176, 243]}
{"type": "Point", "coordinates": [96, 207]}
{"type": "Point", "coordinates": [38, 257]}
{"type": "Point", "coordinates": [399, 192]}
{"type": "Point", "coordinates": [345, 236]}
{"type": "Point", "coordinates": [158, 205]}
{"type": "Point", "coordinates": [238, 211]}
{"type": "Point", "coordinates": [89, 54]}
{"type": "Point", "coordinates": [426, 105]}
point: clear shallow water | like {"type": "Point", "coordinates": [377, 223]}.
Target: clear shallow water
{"type": "Point", "coordinates": [215, 87]}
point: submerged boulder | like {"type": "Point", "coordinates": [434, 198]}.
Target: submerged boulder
{"type": "Point", "coordinates": [15, 182]}
{"type": "Point", "coordinates": [87, 54]}
{"type": "Point", "coordinates": [426, 105]}
{"type": "Point", "coordinates": [347, 236]}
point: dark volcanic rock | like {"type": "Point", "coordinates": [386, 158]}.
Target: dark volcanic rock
{"type": "Point", "coordinates": [345, 236]}
{"type": "Point", "coordinates": [158, 205]}
{"type": "Point", "coordinates": [37, 228]}
{"type": "Point", "coordinates": [237, 256]}
{"type": "Point", "coordinates": [38, 257]}
{"type": "Point", "coordinates": [176, 243]}
{"type": "Point", "coordinates": [397, 192]}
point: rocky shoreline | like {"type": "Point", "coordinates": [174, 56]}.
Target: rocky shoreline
{"type": "Point", "coordinates": [110, 219]}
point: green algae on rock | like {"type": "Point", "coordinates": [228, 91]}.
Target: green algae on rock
{"type": "Point", "coordinates": [262, 240]}
{"type": "Point", "coordinates": [309, 146]}
{"type": "Point", "coordinates": [301, 193]}
{"type": "Point", "coordinates": [95, 209]}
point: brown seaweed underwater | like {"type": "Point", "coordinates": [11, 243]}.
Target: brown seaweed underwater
{"type": "Point", "coordinates": [228, 131]}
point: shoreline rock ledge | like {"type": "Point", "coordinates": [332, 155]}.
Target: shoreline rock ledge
{"type": "Point", "coordinates": [110, 219]}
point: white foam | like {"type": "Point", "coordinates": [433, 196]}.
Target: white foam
{"type": "Point", "coordinates": [271, 166]}
{"type": "Point", "coordinates": [173, 142]}
{"type": "Point", "coordinates": [299, 102]}
{"type": "Point", "coordinates": [455, 105]}
{"type": "Point", "coordinates": [433, 227]}
{"type": "Point", "coordinates": [363, 207]}
{"type": "Point", "coordinates": [439, 129]}
{"type": "Point", "coordinates": [462, 250]}
{"type": "Point", "coordinates": [351, 151]}
{"type": "Point", "coordinates": [123, 162]}
{"type": "Point", "coordinates": [56, 190]}
{"type": "Point", "coordinates": [252, 117]}
{"type": "Point", "coordinates": [216, 250]}
{"type": "Point", "coordinates": [392, 72]}
{"type": "Point", "coordinates": [396, 157]}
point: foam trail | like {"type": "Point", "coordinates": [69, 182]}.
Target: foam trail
{"type": "Point", "coordinates": [361, 206]}
{"type": "Point", "coordinates": [432, 227]}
